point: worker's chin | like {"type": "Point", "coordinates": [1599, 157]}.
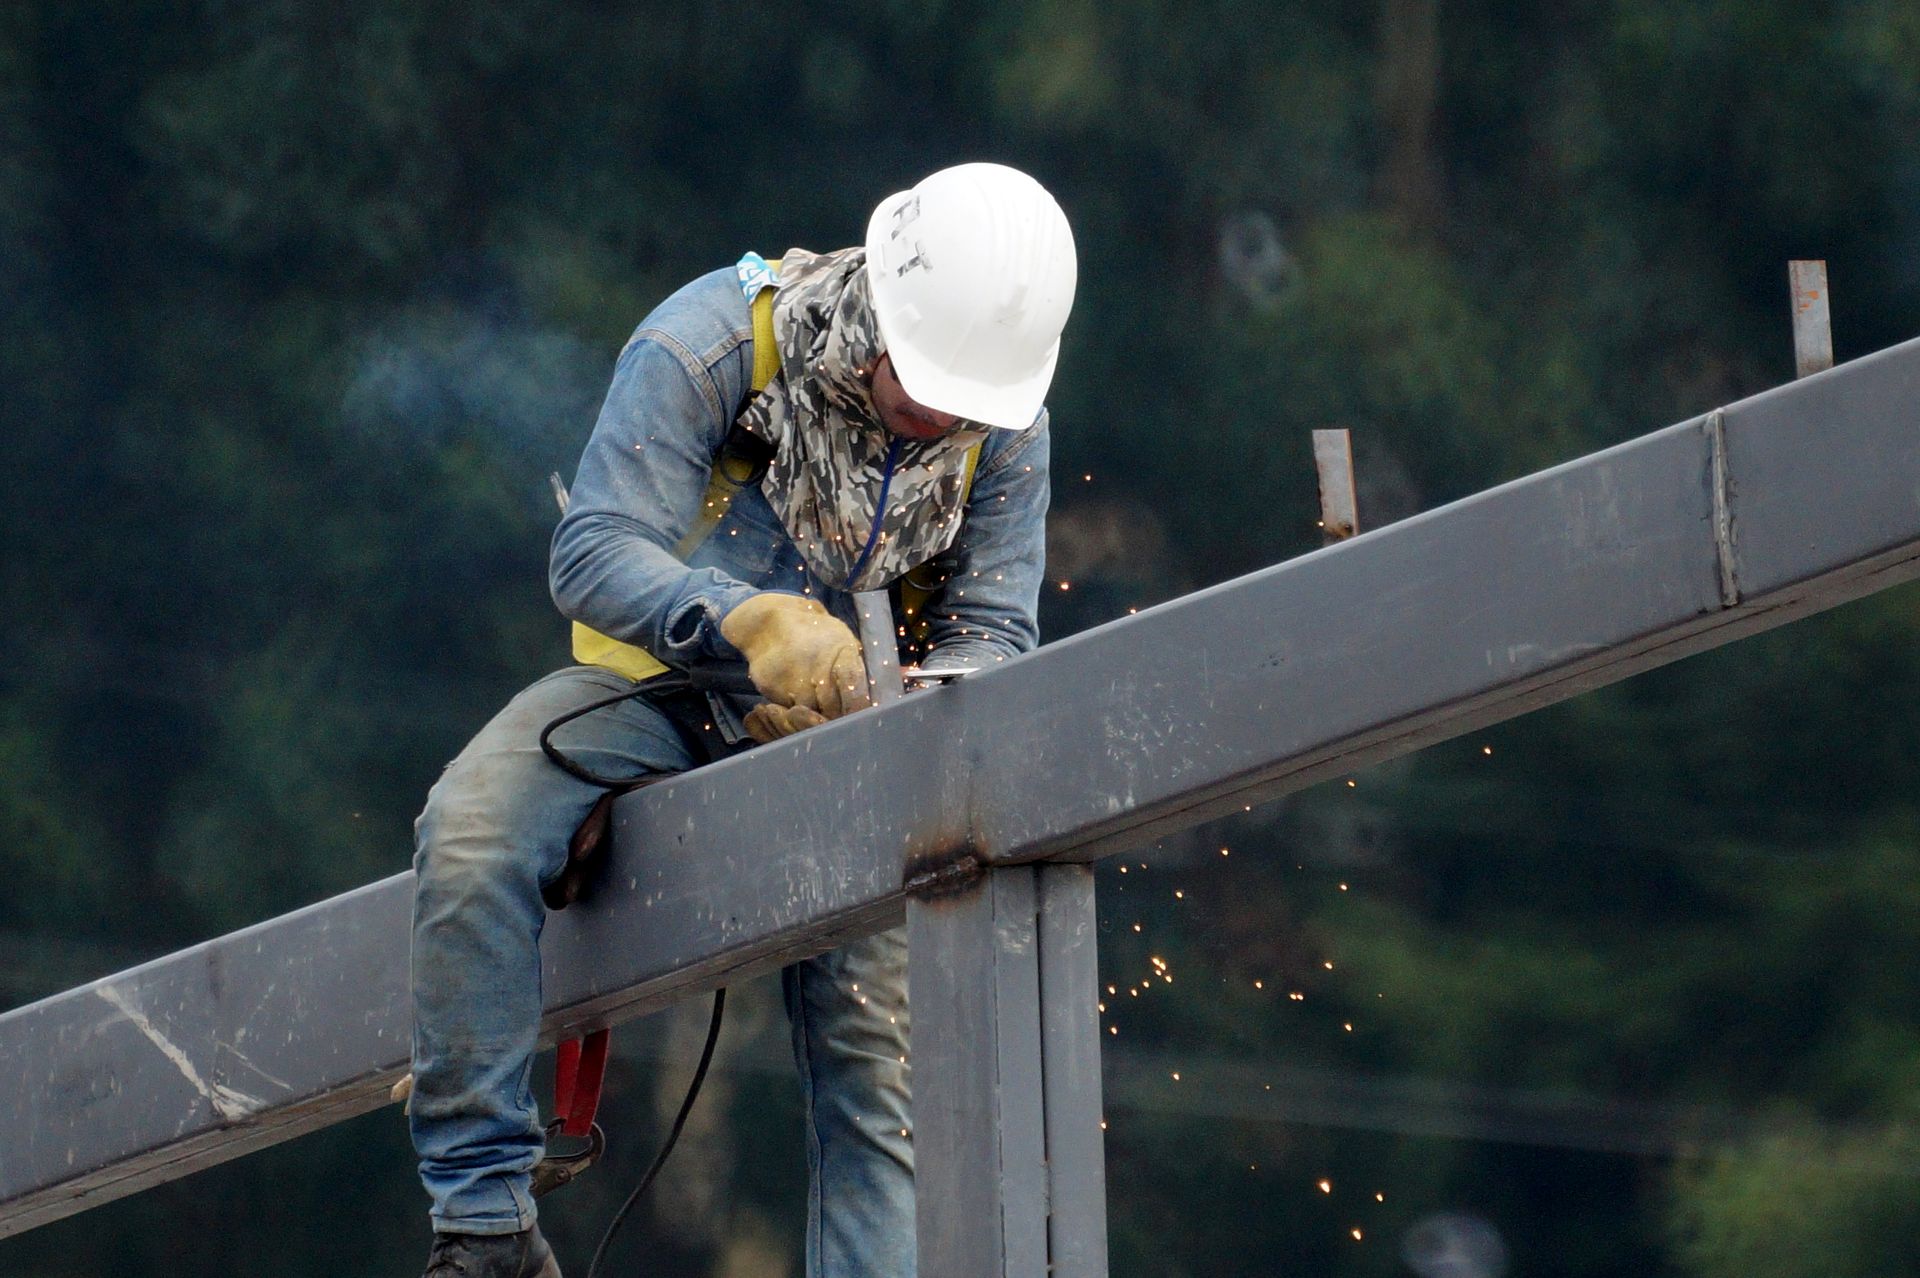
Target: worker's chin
{"type": "Point", "coordinates": [918, 432]}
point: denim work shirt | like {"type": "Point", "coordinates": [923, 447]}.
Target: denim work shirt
{"type": "Point", "coordinates": [678, 385]}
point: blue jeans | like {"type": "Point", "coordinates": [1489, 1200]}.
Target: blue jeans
{"type": "Point", "coordinates": [495, 830]}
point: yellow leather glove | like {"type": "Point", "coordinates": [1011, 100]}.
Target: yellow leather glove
{"type": "Point", "coordinates": [799, 654]}
{"type": "Point", "coordinates": [769, 722]}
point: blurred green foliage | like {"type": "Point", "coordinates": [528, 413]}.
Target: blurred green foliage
{"type": "Point", "coordinates": [1799, 1201]}
{"type": "Point", "coordinates": [300, 304]}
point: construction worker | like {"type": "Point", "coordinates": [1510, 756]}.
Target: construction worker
{"type": "Point", "coordinates": [901, 422]}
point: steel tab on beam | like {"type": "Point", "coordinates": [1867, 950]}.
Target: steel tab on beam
{"type": "Point", "coordinates": [1812, 317]}
{"type": "Point", "coordinates": [1333, 464]}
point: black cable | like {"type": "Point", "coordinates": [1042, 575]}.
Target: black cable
{"type": "Point", "coordinates": [680, 1121]}
{"type": "Point", "coordinates": [579, 771]}
{"type": "Point", "coordinates": [725, 678]}
{"type": "Point", "coordinates": [566, 764]}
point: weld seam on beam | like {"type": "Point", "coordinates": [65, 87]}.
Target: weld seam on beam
{"type": "Point", "coordinates": [1716, 429]}
{"type": "Point", "coordinates": [939, 880]}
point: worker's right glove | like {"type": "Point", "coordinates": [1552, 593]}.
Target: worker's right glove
{"type": "Point", "coordinates": [799, 654]}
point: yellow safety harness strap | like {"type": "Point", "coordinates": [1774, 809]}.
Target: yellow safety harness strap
{"type": "Point", "coordinates": [731, 472]}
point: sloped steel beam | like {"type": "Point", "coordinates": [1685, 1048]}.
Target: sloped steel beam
{"type": "Point", "coordinates": [1792, 501]}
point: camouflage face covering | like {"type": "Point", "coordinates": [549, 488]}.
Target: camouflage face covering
{"type": "Point", "coordinates": [863, 505]}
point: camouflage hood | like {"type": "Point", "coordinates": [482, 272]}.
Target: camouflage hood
{"type": "Point", "coordinates": [863, 505]}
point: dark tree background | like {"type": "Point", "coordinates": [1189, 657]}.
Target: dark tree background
{"type": "Point", "coordinates": [301, 303]}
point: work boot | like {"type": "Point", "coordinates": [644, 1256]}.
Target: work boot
{"type": "Point", "coordinates": [521, 1255]}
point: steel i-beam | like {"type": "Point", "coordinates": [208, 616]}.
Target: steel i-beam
{"type": "Point", "coordinates": [1693, 536]}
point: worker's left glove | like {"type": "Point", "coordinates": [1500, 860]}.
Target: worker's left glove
{"type": "Point", "coordinates": [769, 722]}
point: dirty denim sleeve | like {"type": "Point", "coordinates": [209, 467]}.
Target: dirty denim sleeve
{"type": "Point", "coordinates": [989, 609]}
{"type": "Point", "coordinates": [640, 484]}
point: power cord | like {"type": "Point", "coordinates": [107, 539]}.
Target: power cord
{"type": "Point", "coordinates": [680, 1121]}
{"type": "Point", "coordinates": [579, 771]}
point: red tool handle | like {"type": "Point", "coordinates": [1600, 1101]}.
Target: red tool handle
{"type": "Point", "coordinates": [577, 1074]}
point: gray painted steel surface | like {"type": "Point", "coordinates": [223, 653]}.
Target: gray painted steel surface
{"type": "Point", "coordinates": [1822, 505]}
{"type": "Point", "coordinates": [1693, 536]}
{"type": "Point", "coordinates": [1009, 1162]}
{"type": "Point", "coordinates": [1070, 1049]}
{"type": "Point", "coordinates": [979, 1134]}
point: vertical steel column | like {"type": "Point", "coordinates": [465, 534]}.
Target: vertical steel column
{"type": "Point", "coordinates": [1010, 1166]}
{"type": "Point", "coordinates": [979, 1143]}
{"type": "Point", "coordinates": [1070, 1053]}
{"type": "Point", "coordinates": [1010, 1178]}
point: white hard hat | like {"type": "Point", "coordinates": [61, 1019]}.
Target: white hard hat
{"type": "Point", "coordinates": [972, 274]}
